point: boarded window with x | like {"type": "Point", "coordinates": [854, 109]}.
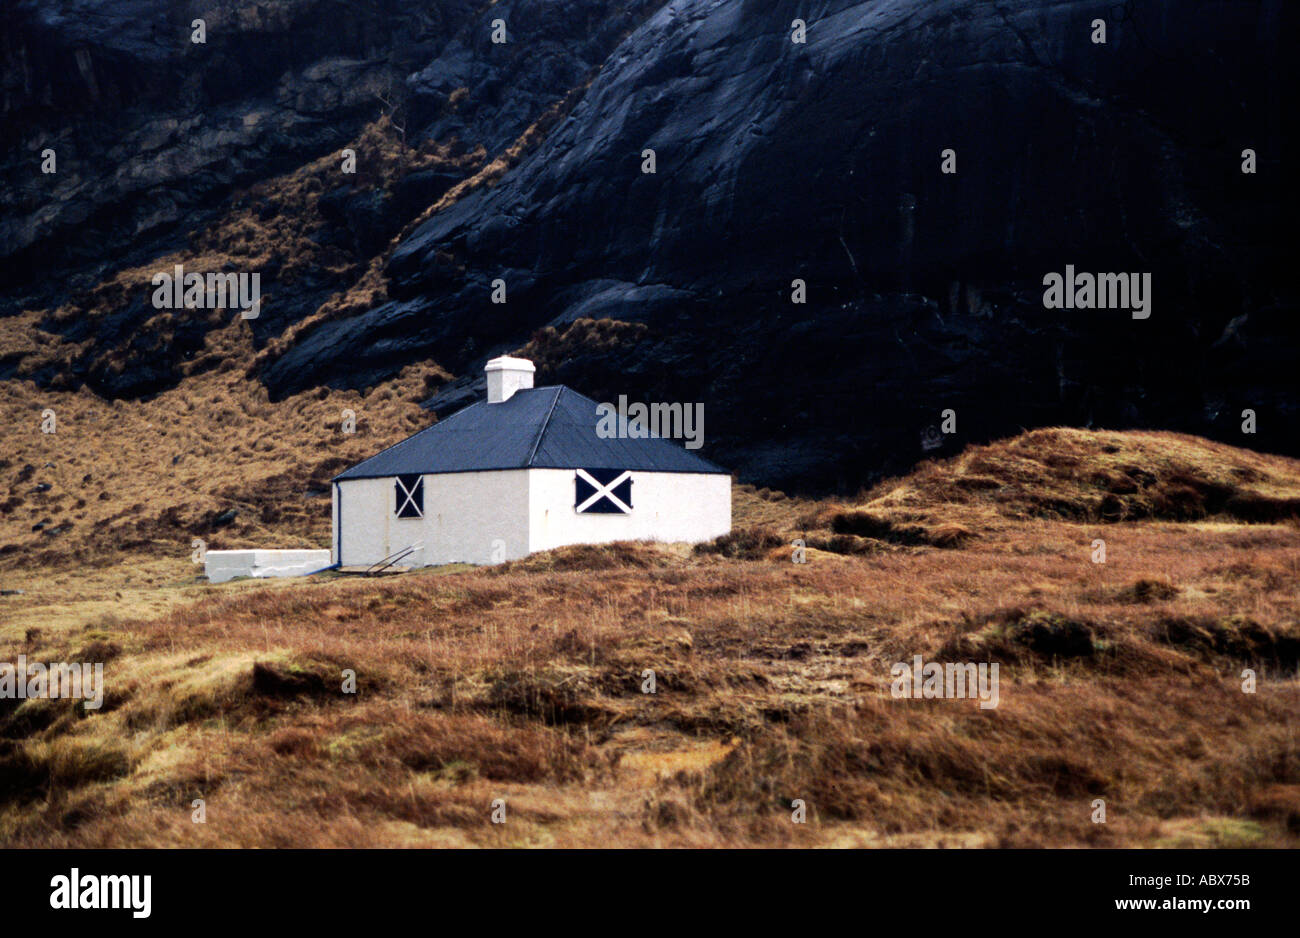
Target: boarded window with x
{"type": "Point", "coordinates": [410, 496]}
{"type": "Point", "coordinates": [603, 491]}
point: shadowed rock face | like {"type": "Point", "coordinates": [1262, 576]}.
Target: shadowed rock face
{"type": "Point", "coordinates": [821, 161]}
{"type": "Point", "coordinates": [152, 131]}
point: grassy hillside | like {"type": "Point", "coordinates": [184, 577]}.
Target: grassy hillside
{"type": "Point", "coordinates": [1120, 681]}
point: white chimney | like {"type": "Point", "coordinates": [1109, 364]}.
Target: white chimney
{"type": "Point", "coordinates": [506, 375]}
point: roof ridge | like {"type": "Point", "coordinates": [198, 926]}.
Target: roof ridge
{"type": "Point", "coordinates": [532, 453]}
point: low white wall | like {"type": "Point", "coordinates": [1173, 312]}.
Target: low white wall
{"type": "Point", "coordinates": [666, 506]}
{"type": "Point", "coordinates": [222, 565]}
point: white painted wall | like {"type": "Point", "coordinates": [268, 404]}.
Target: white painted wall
{"type": "Point", "coordinates": [525, 510]}
{"type": "Point", "coordinates": [464, 514]}
{"type": "Point", "coordinates": [666, 506]}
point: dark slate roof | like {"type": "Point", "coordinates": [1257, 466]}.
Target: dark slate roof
{"type": "Point", "coordinates": [537, 428]}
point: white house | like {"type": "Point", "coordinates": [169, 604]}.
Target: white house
{"type": "Point", "coordinates": [523, 471]}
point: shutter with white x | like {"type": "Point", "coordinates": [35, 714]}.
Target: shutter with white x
{"type": "Point", "coordinates": [409, 493]}
{"type": "Point", "coordinates": [602, 491]}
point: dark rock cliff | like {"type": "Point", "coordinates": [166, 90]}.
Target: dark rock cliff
{"type": "Point", "coordinates": [775, 161]}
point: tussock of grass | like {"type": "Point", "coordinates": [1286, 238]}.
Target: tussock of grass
{"type": "Point", "coordinates": [1238, 638]}
{"type": "Point", "coordinates": [40, 768]}
{"type": "Point", "coordinates": [1082, 475]}
{"type": "Point", "coordinates": [634, 554]}
{"type": "Point", "coordinates": [878, 525]}
{"type": "Point", "coordinates": [751, 543]}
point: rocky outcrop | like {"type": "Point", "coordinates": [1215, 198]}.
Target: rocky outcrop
{"type": "Point", "coordinates": [152, 130]}
{"type": "Point", "coordinates": [821, 162]}
{"type": "Point", "coordinates": [157, 137]}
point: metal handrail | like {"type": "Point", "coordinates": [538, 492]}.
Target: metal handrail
{"type": "Point", "coordinates": [379, 566]}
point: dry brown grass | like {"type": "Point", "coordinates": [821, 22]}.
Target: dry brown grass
{"type": "Point", "coordinates": [130, 476]}
{"type": "Point", "coordinates": [550, 346]}
{"type": "Point", "coordinates": [1119, 681]}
